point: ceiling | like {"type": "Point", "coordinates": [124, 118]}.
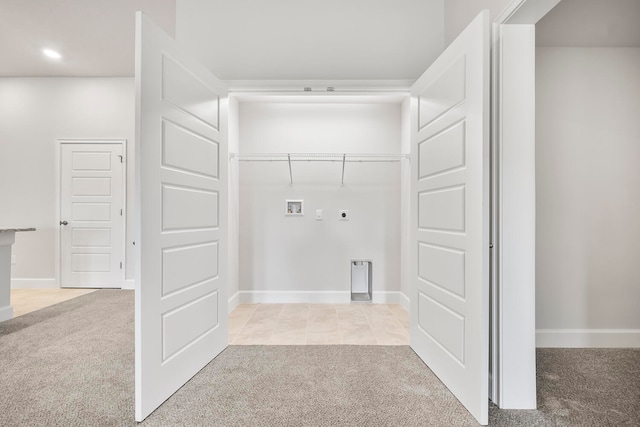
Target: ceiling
{"type": "Point", "coordinates": [94, 37]}
{"type": "Point", "coordinates": [313, 39]}
{"type": "Point", "coordinates": [274, 39]}
{"type": "Point", "coordinates": [591, 23]}
{"type": "Point", "coordinates": [242, 39]}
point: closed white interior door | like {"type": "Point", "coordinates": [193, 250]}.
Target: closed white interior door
{"type": "Point", "coordinates": [181, 208]}
{"type": "Point", "coordinates": [92, 215]}
{"type": "Point", "coordinates": [450, 217]}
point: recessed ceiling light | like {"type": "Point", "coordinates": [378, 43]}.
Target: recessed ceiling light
{"type": "Point", "coordinates": [51, 53]}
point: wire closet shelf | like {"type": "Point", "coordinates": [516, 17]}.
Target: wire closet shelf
{"type": "Point", "coordinates": [343, 158]}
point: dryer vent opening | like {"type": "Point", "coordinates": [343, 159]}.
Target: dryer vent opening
{"type": "Point", "coordinates": [361, 280]}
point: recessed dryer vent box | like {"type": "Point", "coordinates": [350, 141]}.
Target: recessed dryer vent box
{"type": "Point", "coordinates": [361, 280]}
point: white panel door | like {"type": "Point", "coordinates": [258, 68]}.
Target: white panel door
{"type": "Point", "coordinates": [450, 217]}
{"type": "Point", "coordinates": [91, 215]}
{"type": "Point", "coordinates": [181, 196]}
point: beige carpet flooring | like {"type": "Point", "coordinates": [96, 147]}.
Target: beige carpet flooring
{"type": "Point", "coordinates": [71, 364]}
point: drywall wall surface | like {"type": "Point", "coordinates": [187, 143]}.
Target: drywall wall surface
{"type": "Point", "coordinates": [34, 112]}
{"type": "Point", "coordinates": [591, 23]}
{"type": "Point", "coordinates": [459, 13]}
{"type": "Point", "coordinates": [299, 253]}
{"type": "Point", "coordinates": [588, 189]}
{"type": "Point", "coordinates": [405, 205]}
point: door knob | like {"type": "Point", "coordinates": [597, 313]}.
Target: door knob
{"type": "Point", "coordinates": [63, 223]}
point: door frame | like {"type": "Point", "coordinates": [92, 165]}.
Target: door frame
{"type": "Point", "coordinates": [513, 363]}
{"type": "Point", "coordinates": [57, 256]}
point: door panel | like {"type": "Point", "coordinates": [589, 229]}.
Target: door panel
{"type": "Point", "coordinates": [181, 144]}
{"type": "Point", "coordinates": [92, 204]}
{"type": "Point", "coordinates": [450, 217]}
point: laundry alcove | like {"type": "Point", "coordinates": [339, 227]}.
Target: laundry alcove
{"type": "Point", "coordinates": [190, 208]}
{"type": "Point", "coordinates": [335, 152]}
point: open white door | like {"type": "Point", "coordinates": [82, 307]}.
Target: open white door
{"type": "Point", "coordinates": [181, 197]}
{"type": "Point", "coordinates": [450, 217]}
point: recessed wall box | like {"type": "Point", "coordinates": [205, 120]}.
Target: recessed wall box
{"type": "Point", "coordinates": [361, 280]}
{"type": "Point", "coordinates": [294, 208]}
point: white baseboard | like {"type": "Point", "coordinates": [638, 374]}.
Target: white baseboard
{"type": "Point", "coordinates": [278, 297]}
{"type": "Point", "coordinates": [588, 338]}
{"type": "Point", "coordinates": [6, 313]}
{"type": "Point", "coordinates": [405, 302]}
{"type": "Point", "coordinates": [320, 297]}
{"type": "Point", "coordinates": [234, 301]}
{"type": "Point", "coordinates": [34, 283]}
{"type": "Point", "coordinates": [387, 297]}
{"type": "Point", "coordinates": [129, 284]}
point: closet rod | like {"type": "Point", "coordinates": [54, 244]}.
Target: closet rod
{"type": "Point", "coordinates": [344, 158]}
{"type": "Point", "coordinates": [317, 157]}
{"type": "Point", "coordinates": [326, 161]}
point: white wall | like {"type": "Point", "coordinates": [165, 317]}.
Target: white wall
{"type": "Point", "coordinates": [34, 112]}
{"type": "Point", "coordinates": [280, 253]}
{"type": "Point", "coordinates": [459, 13]}
{"type": "Point", "coordinates": [406, 281]}
{"type": "Point", "coordinates": [588, 196]}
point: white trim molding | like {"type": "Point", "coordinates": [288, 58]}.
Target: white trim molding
{"type": "Point", "coordinates": [310, 297]}
{"type": "Point", "coordinates": [513, 369]}
{"type": "Point", "coordinates": [21, 283]}
{"type": "Point", "coordinates": [129, 284]}
{"type": "Point", "coordinates": [390, 297]}
{"type": "Point", "coordinates": [405, 302]}
{"type": "Point", "coordinates": [513, 365]}
{"type": "Point", "coordinates": [234, 301]}
{"type": "Point", "coordinates": [318, 86]}
{"type": "Point", "coordinates": [525, 11]}
{"type": "Point", "coordinates": [588, 338]}
{"type": "Point", "coordinates": [279, 297]}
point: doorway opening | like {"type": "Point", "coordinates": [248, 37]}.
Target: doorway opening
{"type": "Point", "coordinates": [337, 154]}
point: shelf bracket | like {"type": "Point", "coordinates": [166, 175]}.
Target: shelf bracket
{"type": "Point", "coordinates": [290, 174]}
{"type": "Point", "coordinates": [344, 159]}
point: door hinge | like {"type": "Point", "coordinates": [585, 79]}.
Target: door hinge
{"type": "Point", "coordinates": [120, 265]}
{"type": "Point", "coordinates": [120, 212]}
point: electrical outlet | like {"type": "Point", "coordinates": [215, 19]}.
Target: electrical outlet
{"type": "Point", "coordinates": [343, 215]}
{"type": "Point", "coordinates": [318, 214]}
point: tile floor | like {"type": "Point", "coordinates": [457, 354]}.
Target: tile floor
{"type": "Point", "coordinates": [276, 324]}
{"type": "Point", "coordinates": [27, 300]}
{"type": "Point", "coordinates": [319, 324]}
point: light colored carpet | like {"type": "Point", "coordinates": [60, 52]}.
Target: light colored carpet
{"type": "Point", "coordinates": [72, 365]}
{"type": "Point", "coordinates": [314, 386]}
